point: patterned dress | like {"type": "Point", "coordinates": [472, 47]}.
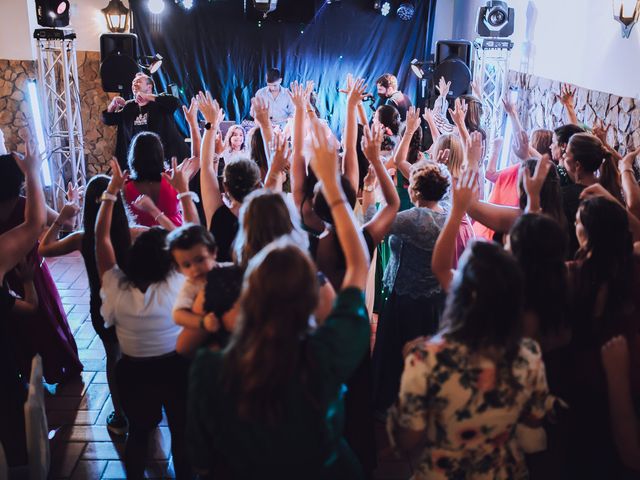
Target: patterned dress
{"type": "Point", "coordinates": [470, 417]}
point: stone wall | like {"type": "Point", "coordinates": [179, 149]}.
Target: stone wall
{"type": "Point", "coordinates": [540, 108]}
{"type": "Point", "coordinates": [15, 111]}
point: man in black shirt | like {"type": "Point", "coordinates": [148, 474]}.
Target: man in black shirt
{"type": "Point", "coordinates": [145, 112]}
{"type": "Point", "coordinates": [388, 91]}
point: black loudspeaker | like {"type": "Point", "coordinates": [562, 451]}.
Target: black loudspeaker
{"type": "Point", "coordinates": [118, 65]}
{"type": "Point", "coordinates": [453, 62]}
{"type": "Point", "coordinates": [52, 13]}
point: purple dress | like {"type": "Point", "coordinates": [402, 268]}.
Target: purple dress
{"type": "Point", "coordinates": [46, 332]}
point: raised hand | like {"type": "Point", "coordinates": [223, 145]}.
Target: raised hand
{"type": "Point", "coordinates": [567, 95]}
{"type": "Point", "coordinates": [600, 131]}
{"type": "Point", "coordinates": [281, 153]}
{"type": "Point", "coordinates": [476, 90]}
{"type": "Point", "coordinates": [443, 87]}
{"type": "Point", "coordinates": [521, 145]}
{"type": "Point", "coordinates": [459, 111]}
{"type": "Point", "coordinates": [443, 156]}
{"type": "Point", "coordinates": [428, 115]}
{"type": "Point", "coordinates": [496, 145]}
{"type": "Point", "coordinates": [324, 159]}
{"type": "Point", "coordinates": [370, 179]}
{"type": "Point", "coordinates": [191, 113]}
{"type": "Point", "coordinates": [474, 150]}
{"type": "Point", "coordinates": [144, 203]}
{"type": "Point", "coordinates": [372, 142]}
{"type": "Point", "coordinates": [413, 120]}
{"type": "Point", "coordinates": [628, 160]}
{"type": "Point", "coordinates": [116, 104]}
{"type": "Point", "coordinates": [31, 162]}
{"type": "Point", "coordinates": [509, 106]}
{"type": "Point", "coordinates": [356, 93]}
{"type": "Point", "coordinates": [118, 178]}
{"type": "Point", "coordinates": [465, 191]}
{"type": "Point", "coordinates": [298, 96]}
{"type": "Point", "coordinates": [533, 184]}
{"type": "Point", "coordinates": [181, 174]}
{"type": "Point", "coordinates": [210, 109]}
{"type": "Point", "coordinates": [260, 109]}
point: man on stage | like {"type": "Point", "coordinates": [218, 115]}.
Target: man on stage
{"type": "Point", "coordinates": [146, 112]}
{"type": "Point", "coordinates": [277, 97]}
{"type": "Point", "coordinates": [388, 91]}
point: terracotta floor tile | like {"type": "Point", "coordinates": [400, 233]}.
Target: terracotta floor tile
{"type": "Point", "coordinates": [64, 459]}
{"type": "Point", "coordinates": [90, 433]}
{"type": "Point", "coordinates": [103, 451]}
{"type": "Point", "coordinates": [89, 469]}
{"type": "Point", "coordinates": [57, 418]}
{"type": "Point", "coordinates": [94, 397]}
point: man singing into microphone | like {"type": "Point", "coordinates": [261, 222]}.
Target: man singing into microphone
{"type": "Point", "coordinates": [146, 112]}
{"type": "Point", "coordinates": [388, 90]}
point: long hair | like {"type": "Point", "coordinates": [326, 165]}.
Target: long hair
{"type": "Point", "coordinates": [595, 157]}
{"type": "Point", "coordinates": [266, 349]}
{"type": "Point", "coordinates": [146, 157]}
{"type": "Point", "coordinates": [473, 118]}
{"type": "Point", "coordinates": [264, 217]}
{"type": "Point", "coordinates": [550, 195]}
{"type": "Point", "coordinates": [456, 152]}
{"type": "Point", "coordinates": [258, 153]}
{"type": "Point", "coordinates": [11, 178]}
{"type": "Point", "coordinates": [485, 304]}
{"type": "Point", "coordinates": [541, 140]}
{"type": "Point", "coordinates": [119, 233]}
{"type": "Point", "coordinates": [414, 146]}
{"type": "Point", "coordinates": [539, 243]}
{"type": "Point", "coordinates": [230, 132]}
{"type": "Point", "coordinates": [606, 261]}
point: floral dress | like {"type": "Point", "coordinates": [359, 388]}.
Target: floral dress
{"type": "Point", "coordinates": [469, 417]}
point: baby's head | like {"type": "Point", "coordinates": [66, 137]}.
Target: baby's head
{"type": "Point", "coordinates": [194, 251]}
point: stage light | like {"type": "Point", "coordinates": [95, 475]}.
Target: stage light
{"type": "Point", "coordinates": [52, 13]}
{"type": "Point", "coordinates": [37, 124]}
{"type": "Point", "coordinates": [627, 12]}
{"type": "Point", "coordinates": [495, 20]}
{"type": "Point", "coordinates": [151, 63]}
{"type": "Point", "coordinates": [117, 16]}
{"type": "Point", "coordinates": [265, 6]}
{"type": "Point", "coordinates": [385, 8]}
{"type": "Point", "coordinates": [187, 4]}
{"type": "Point", "coordinates": [406, 10]}
{"type": "Point", "coordinates": [156, 6]}
{"type": "Point", "coordinates": [416, 67]}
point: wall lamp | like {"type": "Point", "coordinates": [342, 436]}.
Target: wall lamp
{"type": "Point", "coordinates": [627, 12]}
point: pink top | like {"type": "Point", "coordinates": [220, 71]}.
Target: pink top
{"type": "Point", "coordinates": [168, 204]}
{"type": "Point", "coordinates": [505, 192]}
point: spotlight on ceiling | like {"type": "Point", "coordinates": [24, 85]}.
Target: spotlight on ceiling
{"type": "Point", "coordinates": [385, 8]}
{"type": "Point", "coordinates": [186, 4]}
{"type": "Point", "coordinates": [150, 64]}
{"type": "Point", "coordinates": [406, 10]}
{"type": "Point", "coordinates": [156, 6]}
{"type": "Point", "coordinates": [265, 6]}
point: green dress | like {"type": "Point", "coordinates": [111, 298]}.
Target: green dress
{"type": "Point", "coordinates": [308, 442]}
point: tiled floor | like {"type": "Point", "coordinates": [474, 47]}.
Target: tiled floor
{"type": "Point", "coordinates": [81, 446]}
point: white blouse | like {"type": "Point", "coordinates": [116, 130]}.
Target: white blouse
{"type": "Point", "coordinates": [143, 320]}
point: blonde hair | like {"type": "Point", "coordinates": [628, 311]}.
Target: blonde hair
{"type": "Point", "coordinates": [456, 152]}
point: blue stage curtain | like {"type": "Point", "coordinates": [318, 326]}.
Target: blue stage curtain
{"type": "Point", "coordinates": [215, 46]}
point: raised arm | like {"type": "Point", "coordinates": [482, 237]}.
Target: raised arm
{"type": "Point", "coordinates": [402, 152]}
{"type": "Point", "coordinates": [260, 109]}
{"type": "Point", "coordinates": [279, 164]}
{"type": "Point", "coordinates": [191, 117]}
{"type": "Point", "coordinates": [496, 147]}
{"type": "Point", "coordinates": [630, 186]}
{"type": "Point", "coordinates": [18, 241]}
{"type": "Point", "coordinates": [356, 88]}
{"type": "Point", "coordinates": [458, 115]}
{"type": "Point", "coordinates": [209, 187]}
{"type": "Point", "coordinates": [147, 205]}
{"type": "Point", "coordinates": [105, 255]}
{"type": "Point", "coordinates": [299, 96]}
{"type": "Point", "coordinates": [51, 246]}
{"type": "Point", "coordinates": [380, 224]}
{"type": "Point", "coordinates": [533, 184]}
{"type": "Point", "coordinates": [325, 166]}
{"type": "Point", "coordinates": [512, 113]}
{"type": "Point", "coordinates": [433, 128]}
{"type": "Point", "coordinates": [179, 180]}
{"type": "Point", "coordinates": [444, 251]}
{"type": "Point", "coordinates": [567, 98]}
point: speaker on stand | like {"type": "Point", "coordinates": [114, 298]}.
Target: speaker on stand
{"type": "Point", "coordinates": [118, 65]}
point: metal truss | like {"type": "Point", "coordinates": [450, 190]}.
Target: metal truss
{"type": "Point", "coordinates": [491, 70]}
{"type": "Point", "coordinates": [59, 93]}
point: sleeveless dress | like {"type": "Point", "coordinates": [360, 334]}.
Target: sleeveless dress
{"type": "Point", "coordinates": [46, 332]}
{"type": "Point", "coordinates": [168, 204]}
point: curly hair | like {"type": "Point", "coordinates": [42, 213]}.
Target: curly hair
{"type": "Point", "coordinates": [240, 177]}
{"type": "Point", "coordinates": [428, 181]}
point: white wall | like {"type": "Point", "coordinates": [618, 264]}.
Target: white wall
{"type": "Point", "coordinates": [19, 21]}
{"type": "Point", "coordinates": [575, 41]}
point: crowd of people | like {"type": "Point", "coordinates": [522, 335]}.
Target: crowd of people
{"type": "Point", "coordinates": [235, 289]}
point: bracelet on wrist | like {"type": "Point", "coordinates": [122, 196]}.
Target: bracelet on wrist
{"type": "Point", "coordinates": [108, 197]}
{"type": "Point", "coordinates": [193, 195]}
{"type": "Point", "coordinates": [628, 169]}
{"type": "Point", "coordinates": [155, 219]}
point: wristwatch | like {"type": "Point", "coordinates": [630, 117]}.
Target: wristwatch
{"type": "Point", "coordinates": [369, 188]}
{"type": "Point", "coordinates": [207, 126]}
